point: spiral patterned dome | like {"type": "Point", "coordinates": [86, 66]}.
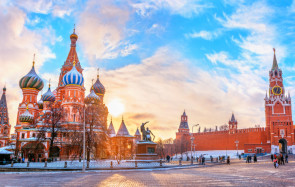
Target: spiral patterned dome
{"type": "Point", "coordinates": [48, 96]}
{"type": "Point", "coordinates": [31, 80]}
{"type": "Point", "coordinates": [26, 117]}
{"type": "Point", "coordinates": [40, 103]}
{"type": "Point", "coordinates": [73, 77]}
{"type": "Point", "coordinates": [92, 98]}
{"type": "Point", "coordinates": [98, 87]}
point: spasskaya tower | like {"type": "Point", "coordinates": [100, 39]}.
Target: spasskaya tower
{"type": "Point", "coordinates": [278, 112]}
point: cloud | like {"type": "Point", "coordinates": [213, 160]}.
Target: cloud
{"type": "Point", "coordinates": [160, 87]}
{"type": "Point", "coordinates": [203, 34]}
{"type": "Point", "coordinates": [55, 7]}
{"type": "Point", "coordinates": [16, 54]}
{"type": "Point", "coordinates": [185, 8]}
{"type": "Point", "coordinates": [101, 27]}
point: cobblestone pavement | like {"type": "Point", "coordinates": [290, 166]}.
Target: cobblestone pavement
{"type": "Point", "coordinates": [236, 174]}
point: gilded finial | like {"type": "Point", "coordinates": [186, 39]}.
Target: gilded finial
{"type": "Point", "coordinates": [74, 62]}
{"type": "Point", "coordinates": [97, 72]}
{"type": "Point", "coordinates": [49, 83]}
{"type": "Point", "coordinates": [92, 82]}
{"type": "Point", "coordinates": [34, 60]}
{"type": "Point", "coordinates": [74, 28]}
{"type": "Point", "coordinates": [274, 50]}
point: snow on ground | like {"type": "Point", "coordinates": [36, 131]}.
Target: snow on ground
{"type": "Point", "coordinates": [78, 165]}
{"type": "Point", "coordinates": [207, 154]}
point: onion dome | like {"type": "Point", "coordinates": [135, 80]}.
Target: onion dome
{"type": "Point", "coordinates": [73, 77]}
{"type": "Point", "coordinates": [31, 80]}
{"type": "Point", "coordinates": [92, 98]}
{"type": "Point", "coordinates": [74, 35]}
{"type": "Point", "coordinates": [26, 117]}
{"type": "Point", "coordinates": [98, 87]}
{"type": "Point", "coordinates": [40, 103]}
{"type": "Point", "coordinates": [48, 96]}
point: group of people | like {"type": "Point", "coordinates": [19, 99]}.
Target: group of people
{"type": "Point", "coordinates": [249, 159]}
{"type": "Point", "coordinates": [279, 159]}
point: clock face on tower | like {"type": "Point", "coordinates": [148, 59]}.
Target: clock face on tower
{"type": "Point", "coordinates": [276, 90]}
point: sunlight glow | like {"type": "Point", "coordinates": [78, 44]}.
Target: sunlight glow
{"type": "Point", "coordinates": [116, 107]}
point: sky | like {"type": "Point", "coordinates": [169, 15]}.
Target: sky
{"type": "Point", "coordinates": [157, 58]}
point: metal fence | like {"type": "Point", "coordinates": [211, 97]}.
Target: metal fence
{"type": "Point", "coordinates": [98, 164]}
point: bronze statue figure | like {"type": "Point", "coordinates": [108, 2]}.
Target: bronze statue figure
{"type": "Point", "coordinates": [146, 133]}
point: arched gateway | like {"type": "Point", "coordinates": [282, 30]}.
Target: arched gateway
{"type": "Point", "coordinates": [283, 146]}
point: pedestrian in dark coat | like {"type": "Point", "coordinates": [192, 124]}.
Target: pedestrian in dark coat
{"type": "Point", "coordinates": [228, 160]}
{"type": "Point", "coordinates": [271, 157]}
{"type": "Point", "coordinates": [286, 158]}
{"type": "Point", "coordinates": [203, 160]}
{"type": "Point", "coordinates": [282, 160]}
{"type": "Point", "coordinates": [255, 158]}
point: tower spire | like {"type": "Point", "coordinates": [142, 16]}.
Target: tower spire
{"type": "Point", "coordinates": [274, 63]}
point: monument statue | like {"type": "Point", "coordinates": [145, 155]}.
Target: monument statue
{"type": "Point", "coordinates": [146, 133]}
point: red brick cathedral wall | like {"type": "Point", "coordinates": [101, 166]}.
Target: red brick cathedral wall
{"type": "Point", "coordinates": [222, 140]}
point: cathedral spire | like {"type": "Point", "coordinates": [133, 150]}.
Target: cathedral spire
{"type": "Point", "coordinates": [274, 63]}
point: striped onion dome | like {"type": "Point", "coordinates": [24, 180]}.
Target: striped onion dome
{"type": "Point", "coordinates": [40, 103]}
{"type": "Point", "coordinates": [26, 117]}
{"type": "Point", "coordinates": [92, 98]}
{"type": "Point", "coordinates": [73, 77]}
{"type": "Point", "coordinates": [31, 80]}
{"type": "Point", "coordinates": [98, 87]}
{"type": "Point", "coordinates": [48, 96]}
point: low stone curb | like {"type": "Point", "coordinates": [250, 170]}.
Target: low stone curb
{"type": "Point", "coordinates": [106, 169]}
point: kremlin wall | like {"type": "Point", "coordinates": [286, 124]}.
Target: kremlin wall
{"type": "Point", "coordinates": [276, 137]}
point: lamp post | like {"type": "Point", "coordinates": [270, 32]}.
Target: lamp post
{"type": "Point", "coordinates": [237, 144]}
{"type": "Point", "coordinates": [192, 139]}
{"type": "Point", "coordinates": [83, 169]}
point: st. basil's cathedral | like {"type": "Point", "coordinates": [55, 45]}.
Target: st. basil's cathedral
{"type": "Point", "coordinates": [70, 96]}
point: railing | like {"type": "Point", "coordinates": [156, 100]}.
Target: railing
{"type": "Point", "coordinates": [106, 164]}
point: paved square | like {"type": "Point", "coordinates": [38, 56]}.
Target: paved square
{"type": "Point", "coordinates": [236, 174]}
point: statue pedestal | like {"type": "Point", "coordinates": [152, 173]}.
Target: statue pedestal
{"type": "Point", "coordinates": [146, 150]}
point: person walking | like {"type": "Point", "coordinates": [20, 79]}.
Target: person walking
{"type": "Point", "coordinates": [250, 158]}
{"type": "Point", "coordinates": [247, 159]}
{"type": "Point", "coordinates": [271, 157]}
{"type": "Point", "coordinates": [168, 158]}
{"type": "Point", "coordinates": [275, 163]}
{"type": "Point", "coordinates": [286, 158]}
{"type": "Point", "coordinates": [203, 160]}
{"type": "Point", "coordinates": [279, 159]}
{"type": "Point", "coordinates": [255, 158]}
{"type": "Point", "coordinates": [282, 159]}
{"type": "Point", "coordinates": [228, 160]}
{"type": "Point", "coordinates": [240, 157]}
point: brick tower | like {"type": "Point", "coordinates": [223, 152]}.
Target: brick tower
{"type": "Point", "coordinates": [233, 124]}
{"type": "Point", "coordinates": [278, 112]}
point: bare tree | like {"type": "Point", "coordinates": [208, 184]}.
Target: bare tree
{"type": "Point", "coordinates": [95, 131]}
{"type": "Point", "coordinates": [160, 148]}
{"type": "Point", "coordinates": [51, 125]}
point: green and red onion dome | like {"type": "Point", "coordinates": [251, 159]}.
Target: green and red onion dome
{"type": "Point", "coordinates": [26, 117]}
{"type": "Point", "coordinates": [48, 96]}
{"type": "Point", "coordinates": [92, 98]}
{"type": "Point", "coordinates": [98, 87]}
{"type": "Point", "coordinates": [31, 80]}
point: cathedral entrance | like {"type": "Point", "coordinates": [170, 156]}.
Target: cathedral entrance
{"type": "Point", "coordinates": [33, 151]}
{"type": "Point", "coordinates": [283, 146]}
